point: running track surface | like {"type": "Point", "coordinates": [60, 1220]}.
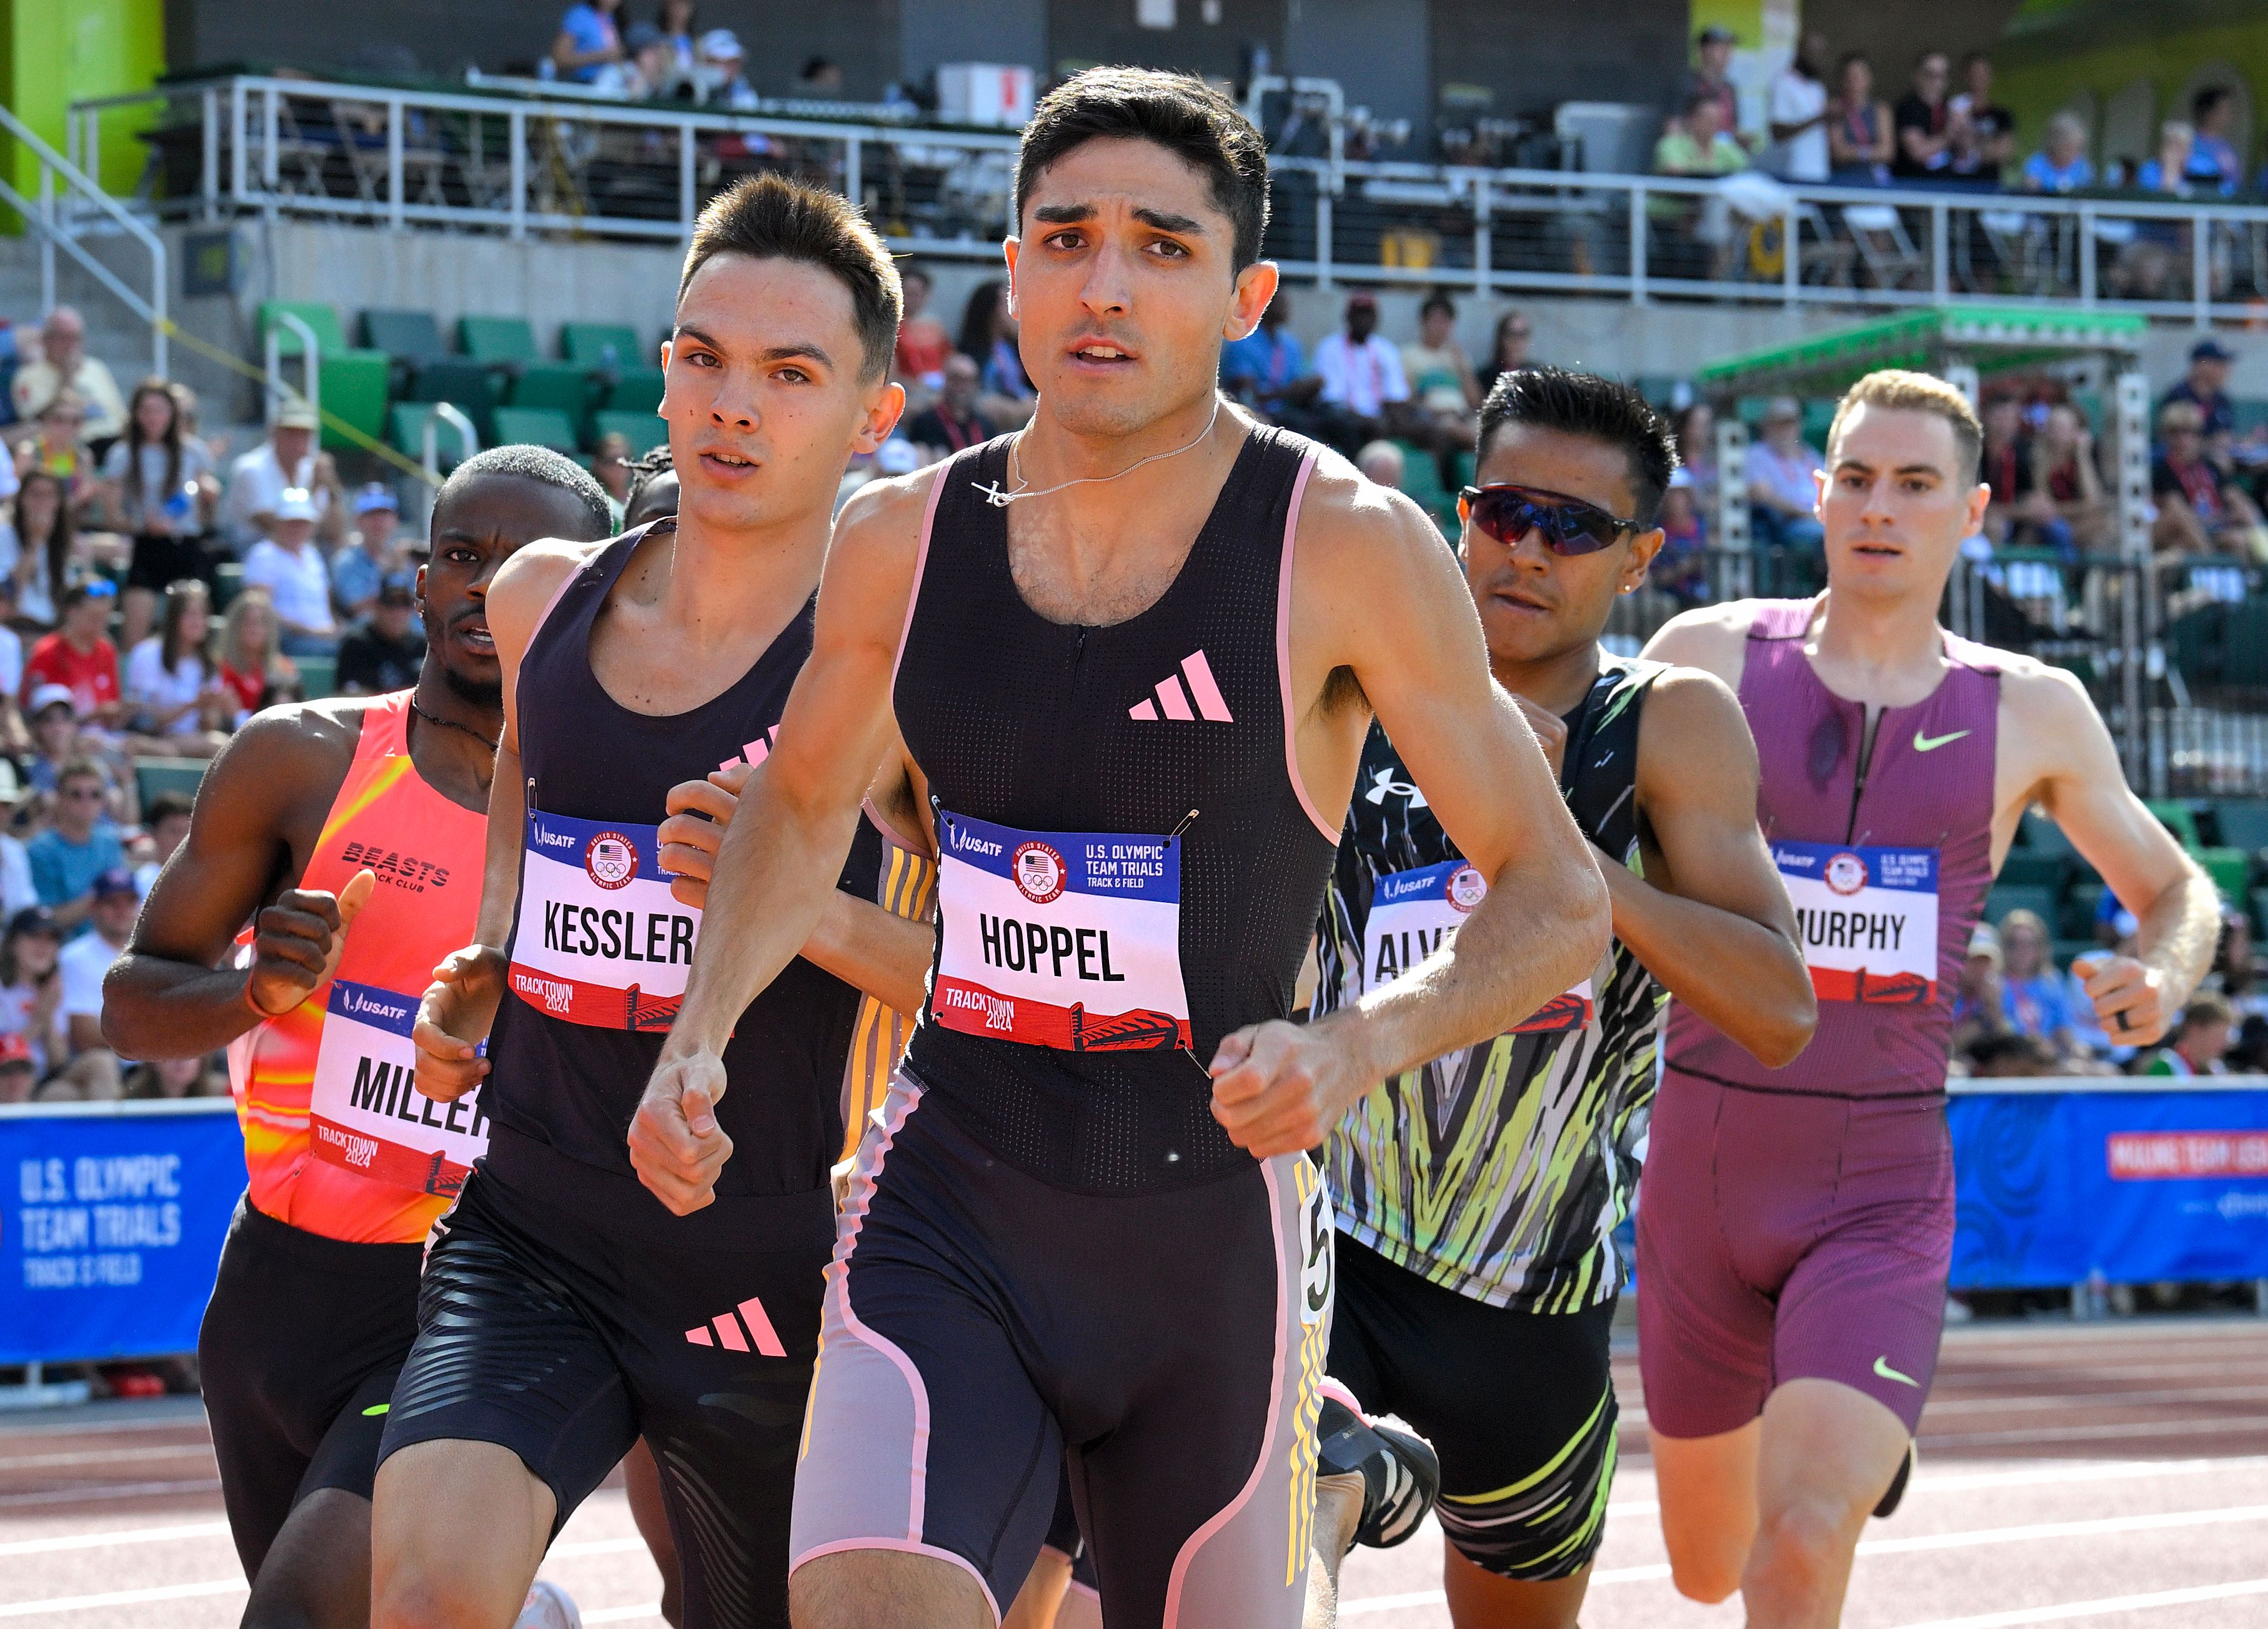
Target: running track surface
{"type": "Point", "coordinates": [2115, 1475]}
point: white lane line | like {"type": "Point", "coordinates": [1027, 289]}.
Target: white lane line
{"type": "Point", "coordinates": [172, 1419]}
{"type": "Point", "coordinates": [2218, 1425]}
{"type": "Point", "coordinates": [104, 1541]}
{"type": "Point", "coordinates": [2193, 1596]}
{"type": "Point", "coordinates": [103, 1457]}
{"type": "Point", "coordinates": [2053, 1476]}
{"type": "Point", "coordinates": [121, 1597]}
{"type": "Point", "coordinates": [87, 1492]}
{"type": "Point", "coordinates": [2097, 1399]}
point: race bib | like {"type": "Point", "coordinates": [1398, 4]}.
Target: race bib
{"type": "Point", "coordinates": [1414, 913]}
{"type": "Point", "coordinates": [1063, 939]}
{"type": "Point", "coordinates": [365, 1111]}
{"type": "Point", "coordinates": [599, 940]}
{"type": "Point", "coordinates": [1865, 919]}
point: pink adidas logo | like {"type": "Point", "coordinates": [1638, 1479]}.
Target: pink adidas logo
{"type": "Point", "coordinates": [1173, 702]}
{"type": "Point", "coordinates": [728, 1331]}
{"type": "Point", "coordinates": [757, 750]}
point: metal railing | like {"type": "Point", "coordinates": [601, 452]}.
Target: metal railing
{"type": "Point", "coordinates": [571, 164]}
{"type": "Point", "coordinates": [64, 216]}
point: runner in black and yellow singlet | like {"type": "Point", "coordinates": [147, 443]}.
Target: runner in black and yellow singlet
{"type": "Point", "coordinates": [1476, 1194]}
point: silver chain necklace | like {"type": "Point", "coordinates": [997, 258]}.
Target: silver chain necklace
{"type": "Point", "coordinates": [999, 498]}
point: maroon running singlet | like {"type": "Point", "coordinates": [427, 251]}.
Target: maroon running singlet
{"type": "Point", "coordinates": [1798, 1222]}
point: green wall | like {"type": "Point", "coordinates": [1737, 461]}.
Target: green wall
{"type": "Point", "coordinates": [2052, 53]}
{"type": "Point", "coordinates": [56, 52]}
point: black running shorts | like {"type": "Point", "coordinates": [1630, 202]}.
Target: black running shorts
{"type": "Point", "coordinates": [300, 1344]}
{"type": "Point", "coordinates": [1519, 1406]}
{"type": "Point", "coordinates": [564, 1313]}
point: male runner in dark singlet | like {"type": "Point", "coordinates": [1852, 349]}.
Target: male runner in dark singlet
{"type": "Point", "coordinates": [315, 812]}
{"type": "Point", "coordinates": [1797, 1223]}
{"type": "Point", "coordinates": [564, 1312]}
{"type": "Point", "coordinates": [1476, 1193]}
{"type": "Point", "coordinates": [1134, 701]}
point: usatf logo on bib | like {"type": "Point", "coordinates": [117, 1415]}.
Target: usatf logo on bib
{"type": "Point", "coordinates": [1039, 872]}
{"type": "Point", "coordinates": [611, 859]}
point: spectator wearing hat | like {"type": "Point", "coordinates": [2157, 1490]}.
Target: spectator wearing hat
{"type": "Point", "coordinates": [80, 846]}
{"type": "Point", "coordinates": [78, 658]}
{"type": "Point", "coordinates": [288, 459]}
{"type": "Point", "coordinates": [370, 556]}
{"type": "Point", "coordinates": [384, 651]}
{"type": "Point", "coordinates": [722, 64]}
{"type": "Point", "coordinates": [113, 904]}
{"type": "Point", "coordinates": [2206, 388]}
{"type": "Point", "coordinates": [287, 563]}
{"type": "Point", "coordinates": [1364, 385]}
{"type": "Point", "coordinates": [1784, 482]}
{"type": "Point", "coordinates": [1709, 78]}
{"type": "Point", "coordinates": [64, 365]}
{"type": "Point", "coordinates": [955, 421]}
{"type": "Point", "coordinates": [2198, 512]}
{"type": "Point", "coordinates": [52, 719]}
{"type": "Point", "coordinates": [1979, 1006]}
{"type": "Point", "coordinates": [18, 1072]}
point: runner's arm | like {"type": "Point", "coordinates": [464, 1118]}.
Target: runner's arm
{"type": "Point", "coordinates": [1715, 926]}
{"type": "Point", "coordinates": [1378, 591]}
{"type": "Point", "coordinates": [1713, 638]}
{"type": "Point", "coordinates": [2083, 789]}
{"type": "Point", "coordinates": [167, 997]}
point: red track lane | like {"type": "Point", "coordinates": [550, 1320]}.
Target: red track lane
{"type": "Point", "coordinates": [2111, 1475]}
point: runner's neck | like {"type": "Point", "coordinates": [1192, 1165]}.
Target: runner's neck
{"type": "Point", "coordinates": [1047, 452]}
{"type": "Point", "coordinates": [1556, 683]}
{"type": "Point", "coordinates": [1890, 654]}
{"type": "Point", "coordinates": [716, 582]}
{"type": "Point", "coordinates": [453, 762]}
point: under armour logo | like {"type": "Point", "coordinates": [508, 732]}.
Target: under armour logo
{"type": "Point", "coordinates": [1386, 785]}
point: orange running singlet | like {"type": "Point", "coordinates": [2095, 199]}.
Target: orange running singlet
{"type": "Point", "coordinates": [338, 1140]}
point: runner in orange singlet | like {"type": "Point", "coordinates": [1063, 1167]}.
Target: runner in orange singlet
{"type": "Point", "coordinates": [350, 835]}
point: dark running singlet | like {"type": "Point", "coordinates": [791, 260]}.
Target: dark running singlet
{"type": "Point", "coordinates": [1169, 728]}
{"type": "Point", "coordinates": [600, 950]}
{"type": "Point", "coordinates": [1797, 1223]}
{"type": "Point", "coordinates": [1498, 1171]}
{"type": "Point", "coordinates": [1051, 1253]}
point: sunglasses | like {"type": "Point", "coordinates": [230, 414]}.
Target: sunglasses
{"type": "Point", "coordinates": [1568, 526]}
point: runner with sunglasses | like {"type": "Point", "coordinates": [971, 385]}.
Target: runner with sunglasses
{"type": "Point", "coordinates": [1797, 1222]}
{"type": "Point", "coordinates": [1475, 1193]}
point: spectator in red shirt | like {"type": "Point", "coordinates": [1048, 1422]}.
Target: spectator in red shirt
{"type": "Point", "coordinates": [79, 656]}
{"type": "Point", "coordinates": [954, 421]}
{"type": "Point", "coordinates": [923, 343]}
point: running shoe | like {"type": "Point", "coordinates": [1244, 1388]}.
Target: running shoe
{"type": "Point", "coordinates": [1890, 1504]}
{"type": "Point", "coordinates": [548, 1606]}
{"type": "Point", "coordinates": [1401, 1475]}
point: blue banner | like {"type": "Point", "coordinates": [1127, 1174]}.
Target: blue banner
{"type": "Point", "coordinates": [2142, 1186]}
{"type": "Point", "coordinates": [111, 1222]}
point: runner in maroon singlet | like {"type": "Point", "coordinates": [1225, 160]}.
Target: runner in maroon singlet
{"type": "Point", "coordinates": [1796, 1225]}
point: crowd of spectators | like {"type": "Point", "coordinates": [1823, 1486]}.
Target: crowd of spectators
{"type": "Point", "coordinates": [666, 56]}
{"type": "Point", "coordinates": [123, 526]}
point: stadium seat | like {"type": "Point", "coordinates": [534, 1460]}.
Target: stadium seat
{"type": "Point", "coordinates": [642, 431]}
{"type": "Point", "coordinates": [503, 341]}
{"type": "Point", "coordinates": [635, 390]}
{"type": "Point", "coordinates": [2259, 912]}
{"type": "Point", "coordinates": [466, 384]}
{"type": "Point", "coordinates": [2031, 868]}
{"type": "Point", "coordinates": [2042, 836]}
{"type": "Point", "coordinates": [2243, 825]}
{"type": "Point", "coordinates": [153, 776]}
{"type": "Point", "coordinates": [2004, 899]}
{"type": "Point", "coordinates": [2231, 870]}
{"type": "Point", "coordinates": [608, 345]}
{"type": "Point", "coordinates": [2177, 819]}
{"type": "Point", "coordinates": [319, 675]}
{"type": "Point", "coordinates": [406, 434]}
{"type": "Point", "coordinates": [2075, 918]}
{"type": "Point", "coordinates": [354, 383]}
{"type": "Point", "coordinates": [537, 427]}
{"type": "Point", "coordinates": [228, 582]}
{"type": "Point", "coordinates": [553, 385]}
{"type": "Point", "coordinates": [411, 339]}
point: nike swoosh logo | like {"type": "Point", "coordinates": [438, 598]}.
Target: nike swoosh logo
{"type": "Point", "coordinates": [1882, 1365]}
{"type": "Point", "coordinates": [1931, 743]}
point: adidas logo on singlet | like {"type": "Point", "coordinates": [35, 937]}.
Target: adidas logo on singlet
{"type": "Point", "coordinates": [1173, 702]}
{"type": "Point", "coordinates": [728, 1333]}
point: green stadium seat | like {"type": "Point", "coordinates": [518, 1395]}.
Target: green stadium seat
{"type": "Point", "coordinates": [1421, 479]}
{"type": "Point", "coordinates": [2250, 414]}
{"type": "Point", "coordinates": [2031, 868]}
{"type": "Point", "coordinates": [228, 582]}
{"type": "Point", "coordinates": [611, 346]}
{"type": "Point", "coordinates": [2259, 912]}
{"type": "Point", "coordinates": [537, 427]}
{"type": "Point", "coordinates": [411, 338]}
{"type": "Point", "coordinates": [2004, 899]}
{"type": "Point", "coordinates": [155, 775]}
{"type": "Point", "coordinates": [2231, 870]}
{"type": "Point", "coordinates": [553, 384]}
{"type": "Point", "coordinates": [2075, 918]}
{"type": "Point", "coordinates": [468, 385]}
{"type": "Point", "coordinates": [506, 340]}
{"type": "Point", "coordinates": [319, 675]}
{"type": "Point", "coordinates": [642, 431]}
{"type": "Point", "coordinates": [2177, 819]}
{"type": "Point", "coordinates": [354, 383]}
{"type": "Point", "coordinates": [1818, 417]}
{"type": "Point", "coordinates": [2243, 825]}
{"type": "Point", "coordinates": [406, 434]}
{"type": "Point", "coordinates": [635, 390]}
{"type": "Point", "coordinates": [2195, 643]}
{"type": "Point", "coordinates": [2042, 836]}
{"type": "Point", "coordinates": [2244, 642]}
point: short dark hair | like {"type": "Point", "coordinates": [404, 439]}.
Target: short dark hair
{"type": "Point", "coordinates": [81, 769]}
{"type": "Point", "coordinates": [646, 468]}
{"type": "Point", "coordinates": [771, 217]}
{"type": "Point", "coordinates": [1177, 112]}
{"type": "Point", "coordinates": [166, 806]}
{"type": "Point", "coordinates": [1437, 301]}
{"type": "Point", "coordinates": [2205, 102]}
{"type": "Point", "coordinates": [541, 464]}
{"type": "Point", "coordinates": [1584, 404]}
